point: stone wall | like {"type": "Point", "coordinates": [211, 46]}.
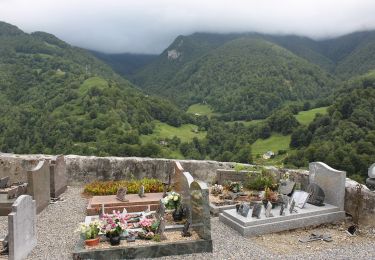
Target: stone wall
{"type": "Point", "coordinates": [83, 169]}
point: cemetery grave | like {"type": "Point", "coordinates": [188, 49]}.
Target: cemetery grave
{"type": "Point", "coordinates": [294, 209]}
{"type": "Point", "coordinates": [177, 223]}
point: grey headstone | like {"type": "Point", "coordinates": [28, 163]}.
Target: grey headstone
{"type": "Point", "coordinates": [58, 176]}
{"type": "Point", "coordinates": [286, 187]}
{"type": "Point", "coordinates": [22, 227]}
{"type": "Point", "coordinates": [268, 210]}
{"type": "Point", "coordinates": [331, 181]}
{"type": "Point", "coordinates": [39, 185]}
{"type": "Point", "coordinates": [371, 171]}
{"type": "Point", "coordinates": [257, 210]}
{"type": "Point", "coordinates": [183, 181]}
{"type": "Point", "coordinates": [121, 194]}
{"type": "Point", "coordinates": [4, 182]}
{"type": "Point", "coordinates": [316, 194]}
{"type": "Point", "coordinates": [200, 213]}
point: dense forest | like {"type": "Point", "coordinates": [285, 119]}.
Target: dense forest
{"type": "Point", "coordinates": [59, 99]}
{"type": "Point", "coordinates": [56, 98]}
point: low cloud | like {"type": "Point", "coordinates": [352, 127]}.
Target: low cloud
{"type": "Point", "coordinates": [149, 26]}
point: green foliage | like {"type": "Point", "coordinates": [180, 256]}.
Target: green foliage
{"type": "Point", "coordinates": [262, 180]}
{"type": "Point", "coordinates": [111, 187]}
{"type": "Point", "coordinates": [345, 137]}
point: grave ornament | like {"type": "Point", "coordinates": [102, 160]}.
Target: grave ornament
{"type": "Point", "coordinates": [317, 195]}
{"type": "Point", "coordinates": [282, 208]}
{"type": "Point", "coordinates": [4, 182]}
{"type": "Point", "coordinates": [268, 210]}
{"type": "Point", "coordinates": [300, 198]}
{"type": "Point", "coordinates": [286, 187]}
{"type": "Point", "coordinates": [141, 192]}
{"type": "Point", "coordinates": [161, 229]}
{"type": "Point", "coordinates": [121, 193]}
{"type": "Point", "coordinates": [292, 205]}
{"type": "Point", "coordinates": [257, 210]}
{"type": "Point", "coordinates": [185, 231]}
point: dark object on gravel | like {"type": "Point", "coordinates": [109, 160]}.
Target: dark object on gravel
{"type": "Point", "coordinates": [315, 237]}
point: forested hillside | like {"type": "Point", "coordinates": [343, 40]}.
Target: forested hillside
{"type": "Point", "coordinates": [247, 78]}
{"type": "Point", "coordinates": [345, 137]}
{"type": "Point", "coordinates": [59, 99]}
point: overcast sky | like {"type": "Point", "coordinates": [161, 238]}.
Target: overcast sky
{"type": "Point", "coordinates": [149, 26]}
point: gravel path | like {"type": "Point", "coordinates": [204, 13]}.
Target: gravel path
{"type": "Point", "coordinates": [57, 223]}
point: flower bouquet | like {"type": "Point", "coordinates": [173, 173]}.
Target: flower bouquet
{"type": "Point", "coordinates": [112, 226]}
{"type": "Point", "coordinates": [173, 201]}
{"type": "Point", "coordinates": [149, 227]}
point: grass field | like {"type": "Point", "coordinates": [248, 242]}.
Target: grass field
{"type": "Point", "coordinates": [274, 143]}
{"type": "Point", "coordinates": [203, 110]}
{"type": "Point", "coordinates": [306, 117]}
{"type": "Point", "coordinates": [91, 82]}
{"type": "Point", "coordinates": [184, 132]}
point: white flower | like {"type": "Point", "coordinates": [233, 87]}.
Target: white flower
{"type": "Point", "coordinates": [175, 198]}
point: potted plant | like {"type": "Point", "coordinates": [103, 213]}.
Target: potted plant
{"type": "Point", "coordinates": [90, 233]}
{"type": "Point", "coordinates": [270, 196]}
{"type": "Point", "coordinates": [113, 225]}
{"type": "Point", "coordinates": [149, 227]}
{"type": "Point", "coordinates": [173, 201]}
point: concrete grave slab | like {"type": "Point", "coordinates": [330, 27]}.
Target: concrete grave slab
{"type": "Point", "coordinates": [22, 227]}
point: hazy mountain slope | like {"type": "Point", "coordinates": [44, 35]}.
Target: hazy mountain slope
{"type": "Point", "coordinates": [247, 78]}
{"type": "Point", "coordinates": [126, 64]}
{"type": "Point", "coordinates": [183, 50]}
{"type": "Point", "coordinates": [61, 99]}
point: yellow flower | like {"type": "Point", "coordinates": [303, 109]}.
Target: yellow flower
{"type": "Point", "coordinates": [175, 198]}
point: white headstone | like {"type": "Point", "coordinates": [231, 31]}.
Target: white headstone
{"type": "Point", "coordinates": [22, 227]}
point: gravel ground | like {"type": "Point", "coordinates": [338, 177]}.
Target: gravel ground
{"type": "Point", "coordinates": [57, 223]}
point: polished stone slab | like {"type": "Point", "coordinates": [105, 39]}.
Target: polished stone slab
{"type": "Point", "coordinates": [144, 251]}
{"type": "Point", "coordinates": [310, 215]}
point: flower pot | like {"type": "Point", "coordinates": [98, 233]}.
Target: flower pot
{"type": "Point", "coordinates": [92, 242]}
{"type": "Point", "coordinates": [114, 240]}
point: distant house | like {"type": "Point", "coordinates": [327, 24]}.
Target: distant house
{"type": "Point", "coordinates": [268, 155]}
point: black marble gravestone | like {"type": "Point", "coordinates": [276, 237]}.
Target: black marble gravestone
{"type": "Point", "coordinates": [317, 195]}
{"type": "Point", "coordinates": [245, 210]}
{"type": "Point", "coordinates": [257, 210]}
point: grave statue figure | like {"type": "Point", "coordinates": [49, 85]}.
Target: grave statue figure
{"type": "Point", "coordinates": [121, 193]}
{"type": "Point", "coordinates": [317, 195]}
{"type": "Point", "coordinates": [185, 231]}
{"type": "Point", "coordinates": [141, 192]}
{"type": "Point", "coordinates": [161, 229]}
